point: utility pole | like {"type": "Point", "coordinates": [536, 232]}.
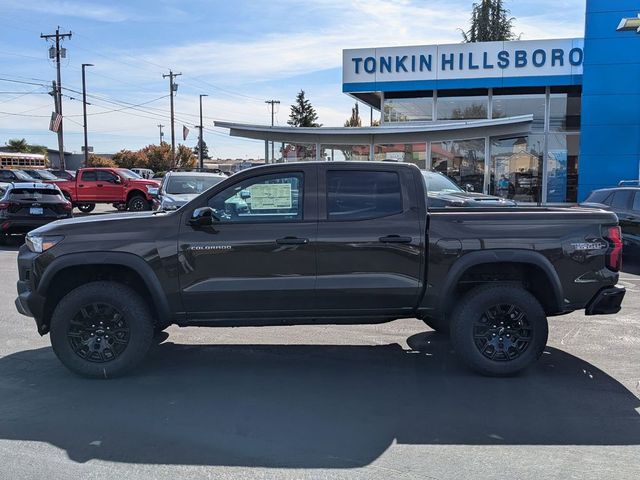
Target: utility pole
{"type": "Point", "coordinates": [161, 134]}
{"type": "Point", "coordinates": [272, 103]}
{"type": "Point", "coordinates": [84, 113]}
{"type": "Point", "coordinates": [173, 87]}
{"type": "Point", "coordinates": [200, 141]}
{"type": "Point", "coordinates": [57, 53]}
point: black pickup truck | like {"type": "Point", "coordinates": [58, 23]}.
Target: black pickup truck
{"type": "Point", "coordinates": [325, 243]}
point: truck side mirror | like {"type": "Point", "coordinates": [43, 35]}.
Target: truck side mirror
{"type": "Point", "coordinates": [117, 180]}
{"type": "Point", "coordinates": [202, 217]}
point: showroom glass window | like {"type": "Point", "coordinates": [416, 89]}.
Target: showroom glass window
{"type": "Point", "coordinates": [462, 104]}
{"type": "Point", "coordinates": [267, 198]}
{"type": "Point", "coordinates": [402, 152]}
{"type": "Point", "coordinates": [512, 102]}
{"type": "Point", "coordinates": [562, 167]}
{"type": "Point", "coordinates": [355, 153]}
{"type": "Point", "coordinates": [463, 161]}
{"type": "Point", "coordinates": [564, 109]}
{"type": "Point", "coordinates": [517, 168]}
{"type": "Point", "coordinates": [408, 107]}
{"type": "Point", "coordinates": [299, 152]}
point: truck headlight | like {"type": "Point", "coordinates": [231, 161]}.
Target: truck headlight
{"type": "Point", "coordinates": [38, 244]}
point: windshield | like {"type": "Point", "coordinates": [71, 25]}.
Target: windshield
{"type": "Point", "coordinates": [23, 176]}
{"type": "Point", "coordinates": [42, 174]}
{"type": "Point", "coordinates": [196, 184]}
{"type": "Point", "coordinates": [437, 183]}
{"type": "Point", "coordinates": [126, 173]}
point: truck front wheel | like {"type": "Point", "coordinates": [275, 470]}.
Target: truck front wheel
{"type": "Point", "coordinates": [499, 330]}
{"type": "Point", "coordinates": [101, 329]}
{"type": "Point", "coordinates": [137, 203]}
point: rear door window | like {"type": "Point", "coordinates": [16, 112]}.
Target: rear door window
{"type": "Point", "coordinates": [361, 195]}
{"type": "Point", "coordinates": [621, 199]}
{"type": "Point", "coordinates": [89, 176]}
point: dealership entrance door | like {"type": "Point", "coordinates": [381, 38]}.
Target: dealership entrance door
{"type": "Point", "coordinates": [516, 168]}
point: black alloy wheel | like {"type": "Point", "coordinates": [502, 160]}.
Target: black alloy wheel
{"type": "Point", "coordinates": [138, 204]}
{"type": "Point", "coordinates": [86, 207]}
{"type": "Point", "coordinates": [502, 332]}
{"type": "Point", "coordinates": [98, 333]}
{"type": "Point", "coordinates": [498, 329]}
{"type": "Point", "coordinates": [101, 329]}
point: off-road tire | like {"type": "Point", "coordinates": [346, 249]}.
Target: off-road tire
{"type": "Point", "coordinates": [471, 327]}
{"type": "Point", "coordinates": [86, 207]}
{"type": "Point", "coordinates": [137, 203]}
{"type": "Point", "coordinates": [130, 307]}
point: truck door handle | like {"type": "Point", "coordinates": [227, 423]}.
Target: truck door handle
{"type": "Point", "coordinates": [292, 241]}
{"type": "Point", "coordinates": [395, 239]}
{"type": "Point", "coordinates": [99, 185]}
{"type": "Point", "coordinates": [80, 186]}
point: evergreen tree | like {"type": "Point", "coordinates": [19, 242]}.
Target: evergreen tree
{"type": "Point", "coordinates": [302, 113]}
{"type": "Point", "coordinates": [490, 22]}
{"type": "Point", "coordinates": [205, 150]}
{"type": "Point", "coordinates": [354, 120]}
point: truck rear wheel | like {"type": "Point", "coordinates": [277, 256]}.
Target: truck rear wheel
{"type": "Point", "coordinates": [137, 203]}
{"type": "Point", "coordinates": [499, 330]}
{"type": "Point", "coordinates": [86, 207]}
{"type": "Point", "coordinates": [101, 330]}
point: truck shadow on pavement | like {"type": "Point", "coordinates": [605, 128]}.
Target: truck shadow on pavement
{"type": "Point", "coordinates": [306, 406]}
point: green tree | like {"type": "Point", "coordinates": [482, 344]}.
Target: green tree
{"type": "Point", "coordinates": [490, 22]}
{"type": "Point", "coordinates": [205, 150]}
{"type": "Point", "coordinates": [302, 113]}
{"type": "Point", "coordinates": [354, 120]}
{"type": "Point", "coordinates": [18, 145]}
{"type": "Point", "coordinates": [129, 159]}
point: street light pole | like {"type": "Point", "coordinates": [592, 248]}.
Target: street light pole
{"type": "Point", "coordinates": [84, 113]}
{"type": "Point", "coordinates": [200, 141]}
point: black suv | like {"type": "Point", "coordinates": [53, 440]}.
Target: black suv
{"type": "Point", "coordinates": [624, 201]}
{"type": "Point", "coordinates": [25, 206]}
{"type": "Point", "coordinates": [9, 175]}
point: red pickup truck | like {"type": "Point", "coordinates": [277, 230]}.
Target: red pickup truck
{"type": "Point", "coordinates": [119, 186]}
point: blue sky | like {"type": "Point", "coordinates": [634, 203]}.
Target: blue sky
{"type": "Point", "coordinates": [239, 53]}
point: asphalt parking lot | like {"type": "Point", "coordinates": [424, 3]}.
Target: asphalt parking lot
{"type": "Point", "coordinates": [382, 401]}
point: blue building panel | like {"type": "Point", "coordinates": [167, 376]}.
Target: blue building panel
{"type": "Point", "coordinates": [610, 139]}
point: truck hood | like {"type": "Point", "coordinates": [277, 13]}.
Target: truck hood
{"type": "Point", "coordinates": [111, 220]}
{"type": "Point", "coordinates": [467, 199]}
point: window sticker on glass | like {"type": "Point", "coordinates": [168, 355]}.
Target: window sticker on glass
{"type": "Point", "coordinates": [269, 196]}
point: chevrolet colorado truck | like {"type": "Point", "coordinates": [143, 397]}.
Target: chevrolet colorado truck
{"type": "Point", "coordinates": [318, 243]}
{"type": "Point", "coordinates": [119, 186]}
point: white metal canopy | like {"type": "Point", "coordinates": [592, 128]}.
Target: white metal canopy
{"type": "Point", "coordinates": [385, 134]}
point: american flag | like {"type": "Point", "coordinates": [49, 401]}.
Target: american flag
{"type": "Point", "coordinates": [185, 132]}
{"type": "Point", "coordinates": [55, 122]}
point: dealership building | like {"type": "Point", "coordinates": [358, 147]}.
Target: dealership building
{"type": "Point", "coordinates": [554, 118]}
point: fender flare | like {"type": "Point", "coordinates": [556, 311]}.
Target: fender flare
{"type": "Point", "coordinates": [129, 260]}
{"type": "Point", "coordinates": [500, 256]}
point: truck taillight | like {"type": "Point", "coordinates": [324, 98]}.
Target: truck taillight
{"type": "Point", "coordinates": [67, 206]}
{"type": "Point", "coordinates": [614, 253]}
{"type": "Point", "coordinates": [4, 205]}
